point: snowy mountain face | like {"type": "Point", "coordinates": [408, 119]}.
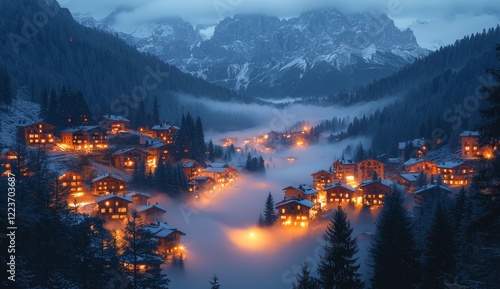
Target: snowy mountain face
{"type": "Point", "coordinates": [317, 53]}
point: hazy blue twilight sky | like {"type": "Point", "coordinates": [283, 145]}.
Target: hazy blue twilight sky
{"type": "Point", "coordinates": [435, 22]}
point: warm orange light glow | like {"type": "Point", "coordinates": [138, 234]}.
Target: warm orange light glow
{"type": "Point", "coordinates": [300, 143]}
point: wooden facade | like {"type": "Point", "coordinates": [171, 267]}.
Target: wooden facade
{"type": "Point", "coordinates": [417, 165]}
{"type": "Point", "coordinates": [128, 159]}
{"type": "Point", "coordinates": [151, 212]}
{"type": "Point", "coordinates": [374, 191]}
{"type": "Point", "coordinates": [113, 207]}
{"type": "Point", "coordinates": [338, 193]}
{"type": "Point", "coordinates": [139, 199]}
{"type": "Point", "coordinates": [191, 168]}
{"type": "Point", "coordinates": [38, 134]}
{"type": "Point", "coordinates": [165, 132]}
{"type": "Point", "coordinates": [74, 183]}
{"type": "Point", "coordinates": [114, 124]}
{"type": "Point", "coordinates": [322, 178]}
{"type": "Point", "coordinates": [85, 138]}
{"type": "Point", "coordinates": [169, 238]}
{"type": "Point", "coordinates": [344, 170]}
{"type": "Point", "coordinates": [366, 168]}
{"type": "Point", "coordinates": [455, 173]}
{"type": "Point", "coordinates": [302, 192]}
{"type": "Point", "coordinates": [8, 159]}
{"type": "Point", "coordinates": [294, 212]}
{"type": "Point", "coordinates": [471, 147]}
{"type": "Point", "coordinates": [161, 153]}
{"type": "Point", "coordinates": [109, 184]}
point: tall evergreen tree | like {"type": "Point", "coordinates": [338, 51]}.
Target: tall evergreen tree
{"type": "Point", "coordinates": [338, 267]}
{"type": "Point", "coordinates": [439, 256]}
{"type": "Point", "coordinates": [52, 117]}
{"type": "Point", "coordinates": [305, 280]}
{"type": "Point", "coordinates": [156, 111]}
{"type": "Point", "coordinates": [269, 211]}
{"type": "Point", "coordinates": [393, 251]}
{"type": "Point", "coordinates": [214, 282]}
{"type": "Point", "coordinates": [44, 104]}
{"type": "Point", "coordinates": [200, 139]}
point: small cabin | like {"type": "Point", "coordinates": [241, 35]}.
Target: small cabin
{"type": "Point", "coordinates": [165, 132]}
{"type": "Point", "coordinates": [8, 159]}
{"type": "Point", "coordinates": [169, 238]}
{"type": "Point", "coordinates": [114, 124]}
{"type": "Point", "coordinates": [374, 191]}
{"type": "Point", "coordinates": [455, 173]}
{"type": "Point", "coordinates": [109, 184]}
{"type": "Point", "coordinates": [431, 192]}
{"type": "Point", "coordinates": [201, 183]}
{"type": "Point", "coordinates": [129, 158]}
{"type": "Point", "coordinates": [417, 165]}
{"type": "Point", "coordinates": [73, 182]}
{"type": "Point", "coordinates": [408, 181]}
{"type": "Point", "coordinates": [38, 134]}
{"type": "Point", "coordinates": [302, 192]}
{"type": "Point", "coordinates": [322, 178]}
{"type": "Point", "coordinates": [161, 153]}
{"type": "Point", "coordinates": [113, 207]}
{"type": "Point", "coordinates": [471, 147]}
{"type": "Point", "coordinates": [151, 212]}
{"type": "Point", "coordinates": [294, 211]}
{"type": "Point", "coordinates": [191, 168]}
{"type": "Point", "coordinates": [139, 199]}
{"type": "Point", "coordinates": [338, 193]}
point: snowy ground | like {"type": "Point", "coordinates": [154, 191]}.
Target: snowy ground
{"type": "Point", "coordinates": [20, 111]}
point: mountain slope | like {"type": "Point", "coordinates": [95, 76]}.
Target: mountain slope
{"type": "Point", "coordinates": [317, 53]}
{"type": "Point", "coordinates": [42, 46]}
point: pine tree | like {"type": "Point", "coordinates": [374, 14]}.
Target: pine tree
{"type": "Point", "coordinates": [200, 139]}
{"type": "Point", "coordinates": [269, 212]}
{"type": "Point", "coordinates": [338, 267]}
{"type": "Point", "coordinates": [374, 176]}
{"type": "Point", "coordinates": [214, 282]}
{"type": "Point", "coordinates": [305, 280]}
{"type": "Point", "coordinates": [52, 117]}
{"type": "Point", "coordinates": [393, 251]}
{"type": "Point", "coordinates": [211, 150]}
{"type": "Point", "coordinates": [44, 104]}
{"type": "Point", "coordinates": [422, 180]}
{"type": "Point", "coordinates": [156, 111]}
{"type": "Point", "coordinates": [139, 248]}
{"type": "Point", "coordinates": [439, 255]}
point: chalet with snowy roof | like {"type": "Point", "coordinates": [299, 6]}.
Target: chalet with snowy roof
{"type": "Point", "coordinates": [201, 183]}
{"type": "Point", "coordinates": [73, 182]}
{"type": "Point", "coordinates": [294, 211]}
{"type": "Point", "coordinates": [220, 175]}
{"type": "Point", "coordinates": [417, 147]}
{"type": "Point", "coordinates": [366, 169]}
{"type": "Point", "coordinates": [408, 181]}
{"type": "Point", "coordinates": [191, 168]}
{"type": "Point", "coordinates": [84, 138]}
{"type": "Point", "coordinates": [431, 192]}
{"type": "Point", "coordinates": [455, 173]}
{"type": "Point", "coordinates": [169, 238]}
{"type": "Point", "coordinates": [322, 178]}
{"type": "Point", "coordinates": [113, 207]}
{"type": "Point", "coordinates": [129, 158]}
{"type": "Point", "coordinates": [417, 165]}
{"type": "Point", "coordinates": [302, 192]}
{"type": "Point", "coordinates": [151, 212]}
{"type": "Point", "coordinates": [113, 124]}
{"type": "Point", "coordinates": [218, 165]}
{"type": "Point", "coordinates": [165, 132]}
{"type": "Point", "coordinates": [338, 193]}
{"type": "Point", "coordinates": [139, 199]}
{"type": "Point", "coordinates": [109, 184]}
{"type": "Point", "coordinates": [37, 134]}
{"type": "Point", "coordinates": [471, 147]}
{"type": "Point", "coordinates": [374, 191]}
{"type": "Point", "coordinates": [344, 170]}
{"type": "Point", "coordinates": [161, 153]}
{"type": "Point", "coordinates": [8, 159]}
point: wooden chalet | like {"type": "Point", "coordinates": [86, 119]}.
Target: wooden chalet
{"type": "Point", "coordinates": [455, 173]}
{"type": "Point", "coordinates": [322, 178]}
{"type": "Point", "coordinates": [471, 147]}
{"type": "Point", "coordinates": [37, 134]}
{"type": "Point", "coordinates": [151, 212]}
{"type": "Point", "coordinates": [165, 133]}
{"type": "Point", "coordinates": [220, 175]}
{"type": "Point", "coordinates": [338, 193]}
{"type": "Point", "coordinates": [161, 153]}
{"type": "Point", "coordinates": [416, 165]}
{"type": "Point", "coordinates": [344, 170]}
{"type": "Point", "coordinates": [169, 238]}
{"type": "Point", "coordinates": [191, 168]}
{"type": "Point", "coordinates": [73, 182]}
{"type": "Point", "coordinates": [429, 193]}
{"type": "Point", "coordinates": [113, 207]}
{"type": "Point", "coordinates": [418, 148]}
{"type": "Point", "coordinates": [8, 160]}
{"type": "Point", "coordinates": [201, 183]}
{"type": "Point", "coordinates": [302, 192]}
{"type": "Point", "coordinates": [374, 191]}
{"type": "Point", "coordinates": [139, 199]}
{"type": "Point", "coordinates": [85, 138]}
{"type": "Point", "coordinates": [129, 158]}
{"type": "Point", "coordinates": [294, 211]}
{"type": "Point", "coordinates": [114, 124]}
{"type": "Point", "coordinates": [366, 168]}
{"type": "Point", "coordinates": [408, 181]}
{"type": "Point", "coordinates": [109, 184]}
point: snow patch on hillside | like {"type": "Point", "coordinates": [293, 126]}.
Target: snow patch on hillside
{"type": "Point", "coordinates": [21, 111]}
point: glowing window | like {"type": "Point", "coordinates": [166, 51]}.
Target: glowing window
{"type": "Point", "coordinates": [107, 203]}
{"type": "Point", "coordinates": [122, 210]}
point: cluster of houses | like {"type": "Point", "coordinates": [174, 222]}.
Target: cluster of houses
{"type": "Point", "coordinates": [368, 181]}
{"type": "Point", "coordinates": [108, 194]}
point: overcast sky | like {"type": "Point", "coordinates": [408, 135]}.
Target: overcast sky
{"type": "Point", "coordinates": [435, 22]}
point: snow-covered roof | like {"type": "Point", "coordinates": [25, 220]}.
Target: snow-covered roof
{"type": "Point", "coordinates": [111, 196]}
{"type": "Point", "coordinates": [345, 162]}
{"type": "Point", "coordinates": [413, 161]}
{"type": "Point", "coordinates": [449, 165]}
{"type": "Point", "coordinates": [37, 122]}
{"type": "Point", "coordinates": [218, 165]}
{"type": "Point", "coordinates": [336, 185]}
{"type": "Point", "coordinates": [149, 207]}
{"type": "Point", "coordinates": [84, 127]}
{"type": "Point", "coordinates": [105, 176]}
{"type": "Point", "coordinates": [122, 151]}
{"type": "Point", "coordinates": [417, 143]}
{"type": "Point", "coordinates": [7, 150]}
{"type": "Point", "coordinates": [427, 188]}
{"type": "Point", "coordinates": [302, 202]}
{"type": "Point", "coordinates": [386, 183]}
{"type": "Point", "coordinates": [410, 177]}
{"type": "Point", "coordinates": [321, 172]}
{"type": "Point", "coordinates": [303, 188]}
{"type": "Point", "coordinates": [164, 126]}
{"type": "Point", "coordinates": [469, 133]}
{"type": "Point", "coordinates": [157, 144]}
{"type": "Point", "coordinates": [115, 117]}
{"type": "Point", "coordinates": [215, 170]}
{"type": "Point", "coordinates": [138, 194]}
{"type": "Point", "coordinates": [161, 230]}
